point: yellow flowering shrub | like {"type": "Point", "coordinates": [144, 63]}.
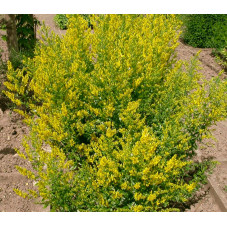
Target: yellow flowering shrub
{"type": "Point", "coordinates": [122, 116]}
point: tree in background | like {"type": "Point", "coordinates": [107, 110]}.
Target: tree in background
{"type": "Point", "coordinates": [20, 35]}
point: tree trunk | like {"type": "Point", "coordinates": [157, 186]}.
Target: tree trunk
{"type": "Point", "coordinates": [12, 41]}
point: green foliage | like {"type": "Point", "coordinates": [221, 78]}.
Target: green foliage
{"type": "Point", "coordinates": [17, 57]}
{"type": "Point", "coordinates": [120, 116]}
{"type": "Point", "coordinates": [3, 65]}
{"type": "Point", "coordinates": [87, 18]}
{"type": "Point", "coordinates": [26, 35]}
{"type": "Point", "coordinates": [25, 25]}
{"type": "Point", "coordinates": [2, 27]}
{"type": "Point", "coordinates": [205, 30]}
{"type": "Point", "coordinates": [225, 188]}
{"type": "Point", "coordinates": [221, 57]}
{"type": "Point", "coordinates": [61, 21]}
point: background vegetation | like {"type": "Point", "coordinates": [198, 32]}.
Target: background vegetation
{"type": "Point", "coordinates": [205, 30]}
{"type": "Point", "coordinates": [61, 20]}
{"type": "Point", "coordinates": [20, 36]}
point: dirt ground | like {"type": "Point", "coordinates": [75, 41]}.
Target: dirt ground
{"type": "Point", "coordinates": [216, 199]}
{"type": "Point", "coordinates": [12, 130]}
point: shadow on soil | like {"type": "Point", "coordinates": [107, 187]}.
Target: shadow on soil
{"type": "Point", "coordinates": [8, 150]}
{"type": "Point", "coordinates": [4, 103]}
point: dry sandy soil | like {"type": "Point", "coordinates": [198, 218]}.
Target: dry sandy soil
{"type": "Point", "coordinates": [12, 130]}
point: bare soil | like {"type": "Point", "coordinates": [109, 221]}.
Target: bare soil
{"type": "Point", "coordinates": [216, 199]}
{"type": "Point", "coordinates": [12, 130]}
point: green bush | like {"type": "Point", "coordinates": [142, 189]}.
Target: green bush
{"type": "Point", "coordinates": [221, 57]}
{"type": "Point", "coordinates": [205, 30]}
{"type": "Point", "coordinates": [121, 115]}
{"type": "Point", "coordinates": [61, 21]}
{"type": "Point", "coordinates": [17, 57]}
{"type": "Point", "coordinates": [25, 25]}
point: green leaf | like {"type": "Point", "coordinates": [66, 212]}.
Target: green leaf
{"type": "Point", "coordinates": [4, 38]}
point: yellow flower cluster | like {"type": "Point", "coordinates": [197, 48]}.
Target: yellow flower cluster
{"type": "Point", "coordinates": [121, 115]}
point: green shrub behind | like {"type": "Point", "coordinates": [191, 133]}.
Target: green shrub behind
{"type": "Point", "coordinates": [205, 30]}
{"type": "Point", "coordinates": [221, 57]}
{"type": "Point", "coordinates": [61, 21]}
